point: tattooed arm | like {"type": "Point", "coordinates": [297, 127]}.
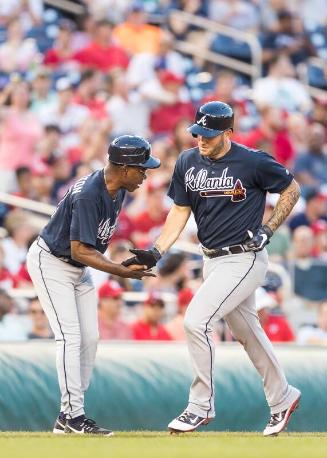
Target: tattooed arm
{"type": "Point", "coordinates": [286, 202]}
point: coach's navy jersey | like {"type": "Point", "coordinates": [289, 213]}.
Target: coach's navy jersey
{"type": "Point", "coordinates": [86, 213]}
{"type": "Point", "coordinates": [227, 196]}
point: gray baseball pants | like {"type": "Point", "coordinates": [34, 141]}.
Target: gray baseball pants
{"type": "Point", "coordinates": [69, 300]}
{"type": "Point", "coordinates": [228, 292]}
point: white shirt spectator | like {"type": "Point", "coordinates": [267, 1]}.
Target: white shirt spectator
{"type": "Point", "coordinates": [14, 256]}
{"type": "Point", "coordinates": [13, 328]}
{"type": "Point", "coordinates": [286, 93]}
{"type": "Point", "coordinates": [28, 15]}
{"type": "Point", "coordinates": [129, 116]}
{"type": "Point", "coordinates": [311, 335]}
{"type": "Point", "coordinates": [18, 58]}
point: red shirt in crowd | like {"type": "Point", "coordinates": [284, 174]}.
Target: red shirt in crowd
{"type": "Point", "coordinates": [165, 117]}
{"type": "Point", "coordinates": [144, 223]}
{"type": "Point", "coordinates": [103, 58]}
{"type": "Point", "coordinates": [97, 107]}
{"type": "Point", "coordinates": [6, 279]}
{"type": "Point", "coordinates": [282, 148]}
{"type": "Point", "coordinates": [278, 329]}
{"type": "Point", "coordinates": [143, 331]}
{"type": "Point", "coordinates": [53, 58]}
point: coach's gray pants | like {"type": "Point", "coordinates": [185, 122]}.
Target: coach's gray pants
{"type": "Point", "coordinates": [68, 298]}
{"type": "Point", "coordinates": [228, 292]}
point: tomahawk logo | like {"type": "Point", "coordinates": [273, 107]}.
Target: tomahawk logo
{"type": "Point", "coordinates": [105, 231]}
{"type": "Point", "coordinates": [202, 121]}
{"type": "Point", "coordinates": [222, 186]}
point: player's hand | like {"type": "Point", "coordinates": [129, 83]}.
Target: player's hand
{"type": "Point", "coordinates": [135, 271]}
{"type": "Point", "coordinates": [257, 241]}
{"type": "Point", "coordinates": [149, 258]}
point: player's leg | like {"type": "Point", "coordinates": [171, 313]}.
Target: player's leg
{"type": "Point", "coordinates": [228, 280]}
{"type": "Point", "coordinates": [87, 309]}
{"type": "Point", "coordinates": [281, 397]}
{"type": "Point", "coordinates": [53, 281]}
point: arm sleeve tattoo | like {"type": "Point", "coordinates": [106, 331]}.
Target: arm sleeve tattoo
{"type": "Point", "coordinates": [286, 202]}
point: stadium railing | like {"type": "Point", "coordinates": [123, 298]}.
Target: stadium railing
{"type": "Point", "coordinates": [254, 70]}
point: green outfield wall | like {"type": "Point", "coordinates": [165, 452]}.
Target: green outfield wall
{"type": "Point", "coordinates": [138, 386]}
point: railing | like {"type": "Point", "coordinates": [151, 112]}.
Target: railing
{"type": "Point", "coordinates": [254, 70]}
{"type": "Point", "coordinates": [66, 5]}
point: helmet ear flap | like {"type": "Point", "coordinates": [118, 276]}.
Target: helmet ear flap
{"type": "Point", "coordinates": [194, 136]}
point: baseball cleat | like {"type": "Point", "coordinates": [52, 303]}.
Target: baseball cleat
{"type": "Point", "coordinates": [60, 423]}
{"type": "Point", "coordinates": [83, 425]}
{"type": "Point", "coordinates": [278, 421]}
{"type": "Point", "coordinates": [187, 422]}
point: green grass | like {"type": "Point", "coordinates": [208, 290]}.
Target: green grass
{"type": "Point", "coordinates": [163, 445]}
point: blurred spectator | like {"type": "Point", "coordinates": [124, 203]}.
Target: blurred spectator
{"type": "Point", "coordinates": [20, 133]}
{"type": "Point", "coordinates": [82, 37]}
{"type": "Point", "coordinates": [113, 9]}
{"type": "Point", "coordinates": [11, 326]}
{"type": "Point", "coordinates": [148, 223]}
{"type": "Point", "coordinates": [310, 169]}
{"type": "Point", "coordinates": [68, 116]}
{"type": "Point", "coordinates": [135, 35]}
{"type": "Point", "coordinates": [182, 29]}
{"type": "Point", "coordinates": [15, 245]}
{"type": "Point", "coordinates": [42, 181]}
{"type": "Point", "coordinates": [148, 327]}
{"type": "Point", "coordinates": [87, 94]}
{"type": "Point", "coordinates": [17, 53]}
{"type": "Point", "coordinates": [175, 326]}
{"type": "Point", "coordinates": [319, 113]}
{"type": "Point", "coordinates": [273, 323]}
{"type": "Point", "coordinates": [30, 12]}
{"type": "Point", "coordinates": [102, 53]}
{"type": "Point", "coordinates": [297, 126]}
{"type": "Point", "coordinates": [181, 139]}
{"type": "Point", "coordinates": [62, 51]}
{"type": "Point", "coordinates": [24, 183]}
{"type": "Point", "coordinates": [270, 136]}
{"type": "Point", "coordinates": [6, 278]}
{"type": "Point", "coordinates": [142, 66]}
{"type": "Point", "coordinates": [165, 117]}
{"type": "Point", "coordinates": [289, 38]}
{"type": "Point", "coordinates": [239, 14]}
{"type": "Point", "coordinates": [310, 335]}
{"type": "Point", "coordinates": [43, 97]}
{"type": "Point", "coordinates": [280, 88]}
{"type": "Point", "coordinates": [111, 326]}
{"type": "Point", "coordinates": [315, 210]}
{"type": "Point", "coordinates": [127, 109]}
{"type": "Point", "coordinates": [39, 322]}
{"type": "Point", "coordinates": [309, 274]}
{"type": "Point", "coordinates": [48, 146]}
{"type": "Point", "coordinates": [319, 229]}
{"type": "Point", "coordinates": [224, 88]}
{"type": "Point", "coordinates": [61, 171]}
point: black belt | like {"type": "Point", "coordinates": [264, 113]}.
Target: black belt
{"type": "Point", "coordinates": [234, 249]}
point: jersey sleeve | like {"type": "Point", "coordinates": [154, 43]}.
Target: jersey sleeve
{"type": "Point", "coordinates": [84, 223]}
{"type": "Point", "coordinates": [177, 189]}
{"type": "Point", "coordinates": [270, 175]}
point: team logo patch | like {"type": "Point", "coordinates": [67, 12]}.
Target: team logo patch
{"type": "Point", "coordinates": [223, 186]}
{"type": "Point", "coordinates": [105, 231]}
{"type": "Point", "coordinates": [202, 121]}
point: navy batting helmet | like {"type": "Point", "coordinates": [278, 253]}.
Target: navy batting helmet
{"type": "Point", "coordinates": [212, 119]}
{"type": "Point", "coordinates": [132, 150]}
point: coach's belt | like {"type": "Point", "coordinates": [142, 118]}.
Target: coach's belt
{"type": "Point", "coordinates": [233, 249]}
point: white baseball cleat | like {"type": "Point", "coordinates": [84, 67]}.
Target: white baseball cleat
{"type": "Point", "coordinates": [278, 421]}
{"type": "Point", "coordinates": [187, 422]}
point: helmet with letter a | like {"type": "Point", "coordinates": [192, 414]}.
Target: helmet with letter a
{"type": "Point", "coordinates": [212, 119]}
{"type": "Point", "coordinates": [132, 150]}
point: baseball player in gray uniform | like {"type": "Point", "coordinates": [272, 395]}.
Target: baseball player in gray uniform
{"type": "Point", "coordinates": [224, 184]}
{"type": "Point", "coordinates": [76, 236]}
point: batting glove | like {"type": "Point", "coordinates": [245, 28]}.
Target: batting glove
{"type": "Point", "coordinates": [257, 241]}
{"type": "Point", "coordinates": [148, 258]}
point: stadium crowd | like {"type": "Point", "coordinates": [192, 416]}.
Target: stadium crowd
{"type": "Point", "coordinates": [70, 84]}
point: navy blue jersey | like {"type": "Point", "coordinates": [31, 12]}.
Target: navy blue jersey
{"type": "Point", "coordinates": [87, 213]}
{"type": "Point", "coordinates": [227, 196]}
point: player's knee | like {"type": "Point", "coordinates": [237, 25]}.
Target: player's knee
{"type": "Point", "coordinates": [191, 325]}
{"type": "Point", "coordinates": [90, 340]}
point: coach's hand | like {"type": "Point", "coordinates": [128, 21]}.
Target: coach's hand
{"type": "Point", "coordinates": [149, 258]}
{"type": "Point", "coordinates": [257, 241]}
{"type": "Point", "coordinates": [135, 271]}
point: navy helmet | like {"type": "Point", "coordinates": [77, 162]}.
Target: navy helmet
{"type": "Point", "coordinates": [212, 119]}
{"type": "Point", "coordinates": [132, 150]}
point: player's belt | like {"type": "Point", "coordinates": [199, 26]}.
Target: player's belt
{"type": "Point", "coordinates": [224, 251]}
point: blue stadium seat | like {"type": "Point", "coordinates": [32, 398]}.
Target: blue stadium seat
{"type": "Point", "coordinates": [316, 77]}
{"type": "Point", "coordinates": [230, 47]}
